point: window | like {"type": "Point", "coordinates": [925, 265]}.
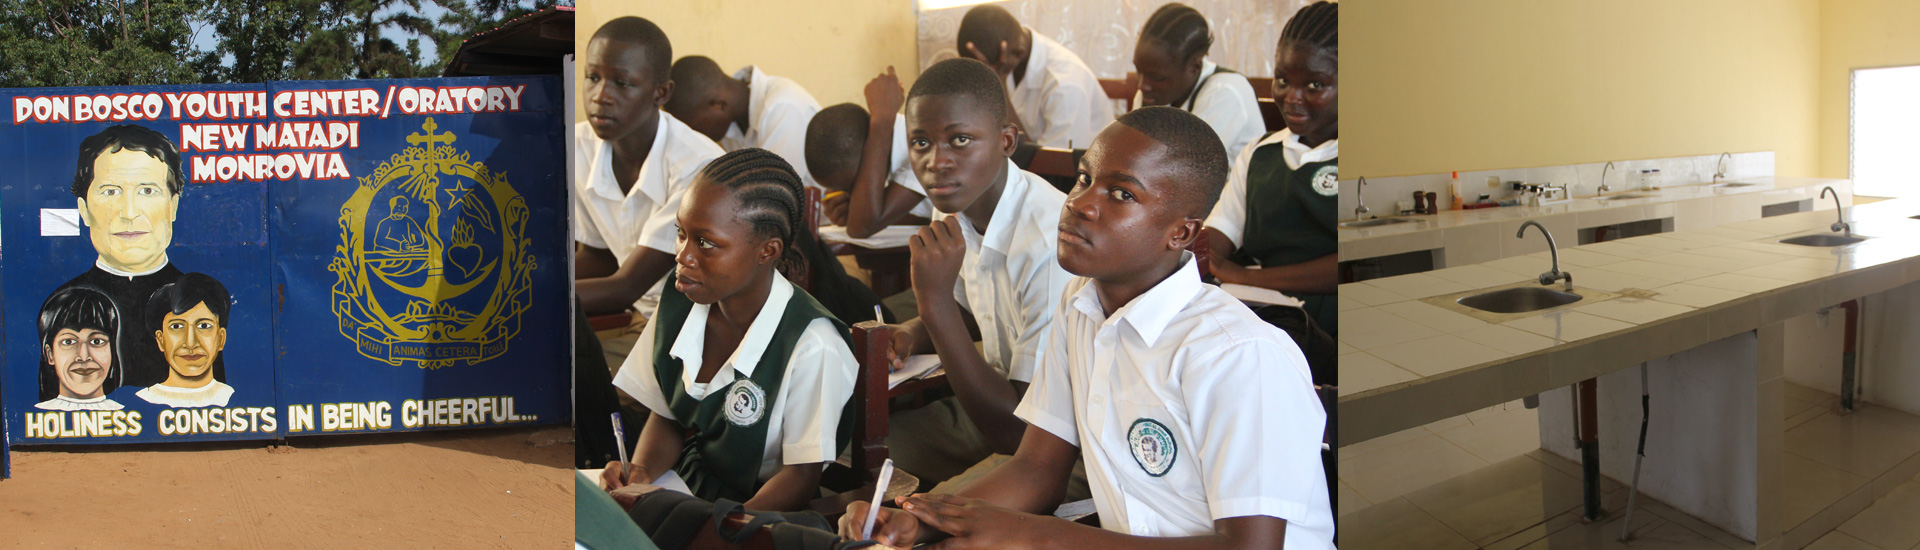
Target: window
{"type": "Point", "coordinates": [1885, 144]}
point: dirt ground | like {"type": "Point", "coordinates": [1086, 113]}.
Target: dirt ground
{"type": "Point", "coordinates": [499, 488]}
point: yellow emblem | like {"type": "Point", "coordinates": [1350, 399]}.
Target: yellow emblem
{"type": "Point", "coordinates": [433, 267]}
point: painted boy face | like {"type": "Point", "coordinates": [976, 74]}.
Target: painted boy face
{"type": "Point", "coordinates": [622, 93]}
{"type": "Point", "coordinates": [1164, 78]}
{"type": "Point", "coordinates": [718, 253]}
{"type": "Point", "coordinates": [1124, 208]}
{"type": "Point", "coordinates": [190, 341]}
{"type": "Point", "coordinates": [129, 211]}
{"type": "Point", "coordinates": [81, 358]}
{"type": "Point", "coordinates": [957, 149]}
{"type": "Point", "coordinates": [1306, 83]}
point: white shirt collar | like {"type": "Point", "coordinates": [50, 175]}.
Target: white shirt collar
{"type": "Point", "coordinates": [1207, 68]}
{"type": "Point", "coordinates": [1036, 61]}
{"type": "Point", "coordinates": [653, 179]}
{"type": "Point", "coordinates": [1298, 153]}
{"type": "Point", "coordinates": [102, 264]}
{"type": "Point", "coordinates": [757, 85]}
{"type": "Point", "coordinates": [1013, 198]}
{"type": "Point", "coordinates": [1150, 312]}
{"type": "Point", "coordinates": [688, 346]}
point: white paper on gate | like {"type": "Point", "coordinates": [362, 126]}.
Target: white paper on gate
{"type": "Point", "coordinates": [670, 481]}
{"type": "Point", "coordinates": [915, 368]}
{"type": "Point", "coordinates": [1260, 295]}
{"type": "Point", "coordinates": [890, 237]}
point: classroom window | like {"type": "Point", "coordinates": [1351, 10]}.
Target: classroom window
{"type": "Point", "coordinates": [1884, 155]}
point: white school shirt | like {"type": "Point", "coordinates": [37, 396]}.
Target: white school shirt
{"type": "Point", "coordinates": [1228, 103]}
{"type": "Point", "coordinates": [1230, 214]}
{"type": "Point", "coordinates": [1010, 277]}
{"type": "Point", "coordinates": [1187, 409]}
{"type": "Point", "coordinates": [1058, 98]}
{"type": "Point", "coordinates": [818, 383]}
{"type": "Point", "coordinates": [644, 216]}
{"type": "Point", "coordinates": [901, 168]}
{"type": "Point", "coordinates": [778, 111]}
{"type": "Point", "coordinates": [214, 394]}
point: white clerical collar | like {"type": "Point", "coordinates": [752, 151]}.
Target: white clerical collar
{"type": "Point", "coordinates": [83, 401]}
{"type": "Point", "coordinates": [102, 264]}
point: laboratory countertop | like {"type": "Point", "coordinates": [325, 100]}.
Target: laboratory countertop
{"type": "Point", "coordinates": [1409, 356]}
{"type": "Point", "coordinates": [1461, 218]}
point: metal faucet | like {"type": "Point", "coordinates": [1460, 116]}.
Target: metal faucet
{"type": "Point", "coordinates": [1547, 279]}
{"type": "Point", "coordinates": [1841, 225]}
{"type": "Point", "coordinates": [1720, 166]}
{"type": "Point", "coordinates": [1603, 179]}
{"type": "Point", "coordinates": [1359, 196]}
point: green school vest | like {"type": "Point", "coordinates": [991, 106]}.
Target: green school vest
{"type": "Point", "coordinates": [1290, 219]}
{"type": "Point", "coordinates": [727, 432]}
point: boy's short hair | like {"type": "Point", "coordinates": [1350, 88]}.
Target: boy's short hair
{"type": "Point", "coordinates": [836, 137]}
{"type": "Point", "coordinates": [1198, 158]}
{"type": "Point", "coordinates": [963, 77]}
{"type": "Point", "coordinates": [986, 26]}
{"type": "Point", "coordinates": [179, 296]}
{"type": "Point", "coordinates": [695, 79]}
{"type": "Point", "coordinates": [643, 33]}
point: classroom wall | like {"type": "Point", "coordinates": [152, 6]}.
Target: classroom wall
{"type": "Point", "coordinates": [1857, 34]}
{"type": "Point", "coordinates": [1103, 32]}
{"type": "Point", "coordinates": [1431, 87]}
{"type": "Point", "coordinates": [832, 48]}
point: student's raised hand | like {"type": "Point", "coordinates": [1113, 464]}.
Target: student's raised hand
{"type": "Point", "coordinates": [835, 207]}
{"type": "Point", "coordinates": [937, 251]}
{"type": "Point", "coordinates": [892, 528]}
{"type": "Point", "coordinates": [884, 96]}
{"type": "Point", "coordinates": [976, 523]}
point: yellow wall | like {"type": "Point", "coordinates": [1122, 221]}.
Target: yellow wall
{"type": "Point", "coordinates": [831, 48]}
{"type": "Point", "coordinates": [1432, 87]}
{"type": "Point", "coordinates": [1858, 34]}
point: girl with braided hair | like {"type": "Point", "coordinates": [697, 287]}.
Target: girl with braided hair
{"type": "Point", "coordinates": [747, 375]}
{"type": "Point", "coordinates": [1171, 59]}
{"type": "Point", "coordinates": [1274, 225]}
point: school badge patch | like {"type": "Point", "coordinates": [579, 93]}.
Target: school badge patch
{"type": "Point", "coordinates": [746, 403]}
{"type": "Point", "coordinates": [1153, 446]}
{"type": "Point", "coordinates": [1326, 181]}
{"type": "Point", "coordinates": [433, 263]}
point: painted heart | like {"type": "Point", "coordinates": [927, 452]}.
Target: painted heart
{"type": "Point", "coordinates": [465, 256]}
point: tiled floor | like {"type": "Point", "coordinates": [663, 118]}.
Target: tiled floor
{"type": "Point", "coordinates": [1480, 481]}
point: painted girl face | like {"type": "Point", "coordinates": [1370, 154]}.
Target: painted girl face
{"type": "Point", "coordinates": [190, 341]}
{"type": "Point", "coordinates": [82, 359]}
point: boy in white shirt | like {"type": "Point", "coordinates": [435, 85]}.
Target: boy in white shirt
{"type": "Point", "coordinates": [1058, 99]}
{"type": "Point", "coordinates": [1197, 421]}
{"type": "Point", "coordinates": [986, 261]}
{"type": "Point", "coordinates": [634, 163]}
{"type": "Point", "coordinates": [1171, 59]}
{"type": "Point", "coordinates": [861, 160]}
{"type": "Point", "coordinates": [748, 109]}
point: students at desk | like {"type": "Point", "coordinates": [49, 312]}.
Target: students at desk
{"type": "Point", "coordinates": [1197, 421]}
{"type": "Point", "coordinates": [1278, 210]}
{"type": "Point", "coordinates": [1171, 59]}
{"type": "Point", "coordinates": [746, 376]}
{"type": "Point", "coordinates": [633, 165]}
{"type": "Point", "coordinates": [861, 159]}
{"type": "Point", "coordinates": [1058, 99]}
{"type": "Point", "coordinates": [748, 109]}
{"type": "Point", "coordinates": [986, 264]}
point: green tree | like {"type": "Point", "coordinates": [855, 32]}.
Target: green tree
{"type": "Point", "coordinates": [97, 43]}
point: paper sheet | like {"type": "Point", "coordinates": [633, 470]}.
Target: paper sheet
{"type": "Point", "coordinates": [1260, 295]}
{"type": "Point", "coordinates": [1075, 510]}
{"type": "Point", "coordinates": [891, 237]}
{"type": "Point", "coordinates": [915, 368]}
{"type": "Point", "coordinates": [670, 481]}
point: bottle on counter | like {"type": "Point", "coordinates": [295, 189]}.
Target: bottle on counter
{"type": "Point", "coordinates": [1453, 190]}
